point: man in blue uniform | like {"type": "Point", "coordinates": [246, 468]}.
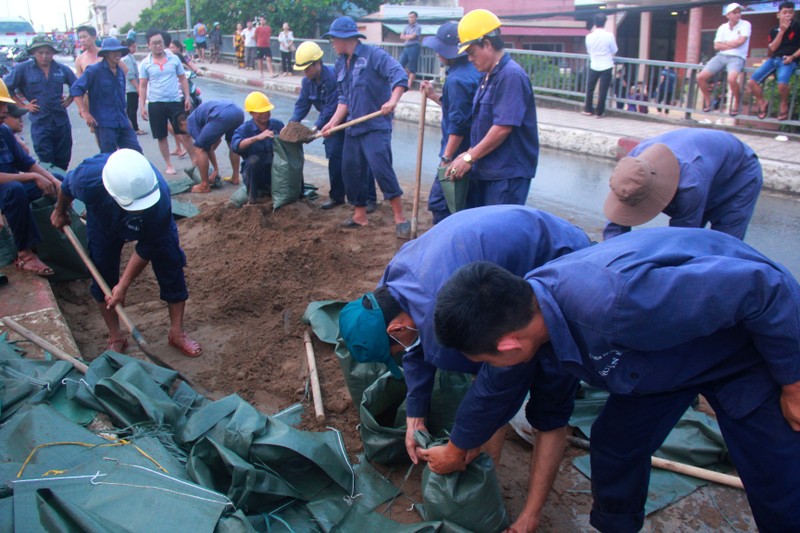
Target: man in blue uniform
{"type": "Point", "coordinates": [407, 292]}
{"type": "Point", "coordinates": [458, 92]}
{"type": "Point", "coordinates": [207, 125]}
{"type": "Point", "coordinates": [504, 138]}
{"type": "Point", "coordinates": [128, 200]}
{"type": "Point", "coordinates": [319, 90]}
{"type": "Point", "coordinates": [21, 182]}
{"type": "Point", "coordinates": [369, 80]}
{"type": "Point", "coordinates": [41, 82]}
{"type": "Point", "coordinates": [655, 317]}
{"type": "Point", "coordinates": [107, 111]}
{"type": "Point", "coordinates": [695, 176]}
{"type": "Point", "coordinates": [253, 142]}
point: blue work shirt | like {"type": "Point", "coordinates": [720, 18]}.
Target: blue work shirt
{"type": "Point", "coordinates": [505, 98]}
{"type": "Point", "coordinates": [106, 220]}
{"type": "Point", "coordinates": [720, 180]}
{"type": "Point", "coordinates": [368, 84]}
{"type": "Point", "coordinates": [106, 90]}
{"type": "Point", "coordinates": [322, 94]}
{"type": "Point", "coordinates": [263, 149]}
{"type": "Point", "coordinates": [458, 92]}
{"type": "Point", "coordinates": [27, 78]}
{"type": "Point", "coordinates": [660, 310]}
{"type": "Point", "coordinates": [420, 268]}
{"type": "Point", "coordinates": [13, 159]}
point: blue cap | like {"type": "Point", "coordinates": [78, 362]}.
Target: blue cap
{"type": "Point", "coordinates": [110, 44]}
{"type": "Point", "coordinates": [445, 43]}
{"type": "Point", "coordinates": [364, 332]}
{"type": "Point", "coordinates": [343, 28]}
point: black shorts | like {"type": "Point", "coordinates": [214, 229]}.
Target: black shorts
{"type": "Point", "coordinates": [163, 112]}
{"type": "Point", "coordinates": [263, 52]}
{"type": "Point", "coordinates": [200, 45]}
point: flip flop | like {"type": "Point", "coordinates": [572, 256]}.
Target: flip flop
{"type": "Point", "coordinates": [783, 116]}
{"type": "Point", "coordinates": [734, 112]}
{"type": "Point", "coordinates": [199, 188]}
{"type": "Point", "coordinates": [216, 184]}
{"type": "Point", "coordinates": [187, 346]}
{"type": "Point", "coordinates": [762, 112]}
{"type": "Point", "coordinates": [117, 345]}
{"type": "Point", "coordinates": [707, 108]}
{"type": "Point", "coordinates": [350, 223]}
{"type": "Point", "coordinates": [34, 266]}
{"type": "Point", "coordinates": [229, 179]}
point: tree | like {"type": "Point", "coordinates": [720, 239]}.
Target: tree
{"type": "Point", "coordinates": [306, 17]}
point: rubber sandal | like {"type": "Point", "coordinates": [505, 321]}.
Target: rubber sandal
{"type": "Point", "coordinates": [199, 188]}
{"type": "Point", "coordinates": [118, 345]}
{"type": "Point", "coordinates": [31, 266]}
{"type": "Point", "coordinates": [187, 346]}
{"type": "Point", "coordinates": [350, 223]}
{"type": "Point", "coordinates": [733, 112]}
{"type": "Point", "coordinates": [762, 112]}
{"type": "Point", "coordinates": [707, 108]}
{"type": "Point", "coordinates": [586, 114]}
{"type": "Point", "coordinates": [229, 179]}
{"type": "Point", "coordinates": [783, 116]}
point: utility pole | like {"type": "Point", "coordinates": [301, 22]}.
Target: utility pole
{"type": "Point", "coordinates": [188, 17]}
{"type": "Point", "coordinates": [71, 20]}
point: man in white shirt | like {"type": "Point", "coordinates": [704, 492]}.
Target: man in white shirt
{"type": "Point", "coordinates": [249, 34]}
{"type": "Point", "coordinates": [601, 47]}
{"type": "Point", "coordinates": [731, 43]}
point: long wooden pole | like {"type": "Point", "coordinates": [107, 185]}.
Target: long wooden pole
{"type": "Point", "coordinates": [353, 122]}
{"type": "Point", "coordinates": [57, 352]}
{"type": "Point", "coordinates": [316, 393]}
{"type": "Point", "coordinates": [418, 177]}
{"type": "Point", "coordinates": [680, 468]}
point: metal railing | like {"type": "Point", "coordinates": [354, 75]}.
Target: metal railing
{"type": "Point", "coordinates": [639, 86]}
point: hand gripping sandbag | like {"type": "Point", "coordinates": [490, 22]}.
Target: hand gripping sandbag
{"type": "Point", "coordinates": [470, 499]}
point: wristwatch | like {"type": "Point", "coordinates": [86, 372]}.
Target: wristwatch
{"type": "Point", "coordinates": [447, 160]}
{"type": "Point", "coordinates": [467, 158]}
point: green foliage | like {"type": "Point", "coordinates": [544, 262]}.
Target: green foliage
{"type": "Point", "coordinates": [308, 18]}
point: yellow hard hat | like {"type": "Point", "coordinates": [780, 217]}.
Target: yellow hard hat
{"type": "Point", "coordinates": [4, 96]}
{"type": "Point", "coordinates": [474, 26]}
{"type": "Point", "coordinates": [257, 102]}
{"type": "Point", "coordinates": [307, 53]}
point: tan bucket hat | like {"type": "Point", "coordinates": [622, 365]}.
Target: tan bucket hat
{"type": "Point", "coordinates": [642, 186]}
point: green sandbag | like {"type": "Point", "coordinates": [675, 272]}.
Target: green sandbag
{"type": "Point", "coordinates": [183, 209]}
{"type": "Point", "coordinates": [455, 192]}
{"type": "Point", "coordinates": [239, 197]}
{"type": "Point", "coordinates": [55, 250]}
{"type": "Point", "coordinates": [323, 317]}
{"type": "Point", "coordinates": [8, 250]}
{"type": "Point", "coordinates": [383, 421]}
{"type": "Point", "coordinates": [357, 376]}
{"type": "Point", "coordinates": [181, 185]}
{"type": "Point", "coordinates": [287, 172]}
{"type": "Point", "coordinates": [470, 499]}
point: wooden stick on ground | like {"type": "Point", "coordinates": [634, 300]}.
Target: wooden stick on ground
{"type": "Point", "coordinates": [37, 340]}
{"type": "Point", "coordinates": [418, 177]}
{"type": "Point", "coordinates": [316, 393]}
{"type": "Point", "coordinates": [680, 468]}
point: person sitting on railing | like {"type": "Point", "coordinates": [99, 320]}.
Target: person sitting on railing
{"type": "Point", "coordinates": [731, 43]}
{"type": "Point", "coordinates": [784, 49]}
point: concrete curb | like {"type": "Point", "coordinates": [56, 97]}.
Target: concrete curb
{"type": "Point", "coordinates": [778, 175]}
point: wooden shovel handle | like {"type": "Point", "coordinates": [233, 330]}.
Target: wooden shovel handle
{"type": "Point", "coordinates": [353, 122]}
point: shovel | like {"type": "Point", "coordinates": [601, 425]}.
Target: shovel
{"type": "Point", "coordinates": [418, 180]}
{"type": "Point", "coordinates": [300, 133]}
{"type": "Point", "coordinates": [123, 316]}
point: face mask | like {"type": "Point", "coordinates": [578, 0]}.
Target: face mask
{"type": "Point", "coordinates": [410, 346]}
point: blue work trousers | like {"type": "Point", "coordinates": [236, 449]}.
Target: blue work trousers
{"type": "Point", "coordinates": [257, 176]}
{"type": "Point", "coordinates": [165, 256]}
{"type": "Point", "coordinates": [334, 146]}
{"type": "Point", "coordinates": [112, 139]}
{"type": "Point", "coordinates": [630, 429]}
{"type": "Point", "coordinates": [52, 144]}
{"type": "Point", "coordinates": [367, 154]}
{"type": "Point", "coordinates": [15, 204]}
{"type": "Point", "coordinates": [497, 192]}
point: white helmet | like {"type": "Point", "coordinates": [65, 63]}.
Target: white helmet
{"type": "Point", "coordinates": [130, 180]}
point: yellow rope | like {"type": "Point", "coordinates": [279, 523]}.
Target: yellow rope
{"type": "Point", "coordinates": [121, 442]}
